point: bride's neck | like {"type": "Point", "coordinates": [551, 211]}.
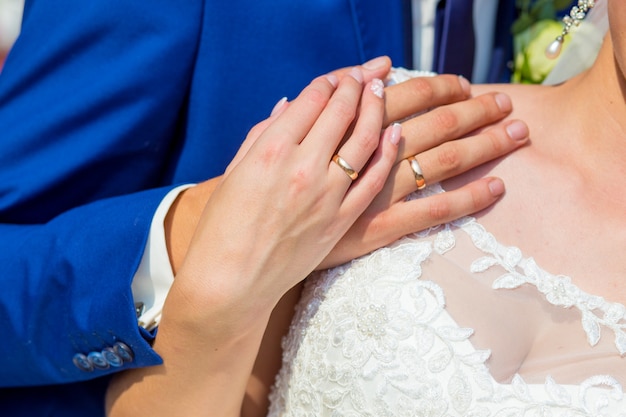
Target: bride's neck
{"type": "Point", "coordinates": [593, 110]}
{"type": "Point", "coordinates": [598, 98]}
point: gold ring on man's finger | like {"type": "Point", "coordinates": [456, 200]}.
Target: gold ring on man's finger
{"type": "Point", "coordinates": [350, 172]}
{"type": "Point", "coordinates": [417, 172]}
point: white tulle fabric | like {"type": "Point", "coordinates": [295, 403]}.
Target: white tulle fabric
{"type": "Point", "coordinates": [450, 322]}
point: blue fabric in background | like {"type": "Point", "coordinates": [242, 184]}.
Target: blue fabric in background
{"type": "Point", "coordinates": [104, 107]}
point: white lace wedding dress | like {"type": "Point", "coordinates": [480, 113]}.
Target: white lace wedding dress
{"type": "Point", "coordinates": [450, 322]}
{"type": "Point", "coordinates": [438, 325]}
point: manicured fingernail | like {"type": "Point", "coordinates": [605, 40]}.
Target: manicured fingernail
{"type": "Point", "coordinates": [278, 105]}
{"type": "Point", "coordinates": [517, 130]}
{"type": "Point", "coordinates": [396, 133]}
{"type": "Point", "coordinates": [504, 102]}
{"type": "Point", "coordinates": [496, 187]}
{"type": "Point", "coordinates": [356, 74]}
{"type": "Point", "coordinates": [375, 63]}
{"type": "Point", "coordinates": [378, 88]}
{"type": "Point", "coordinates": [332, 78]}
{"type": "Point", "coordinates": [465, 85]}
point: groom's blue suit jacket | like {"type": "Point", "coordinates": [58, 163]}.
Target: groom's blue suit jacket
{"type": "Point", "coordinates": [105, 105]}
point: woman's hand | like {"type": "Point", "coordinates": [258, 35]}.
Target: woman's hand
{"type": "Point", "coordinates": [278, 211]}
{"type": "Point", "coordinates": [184, 214]}
{"type": "Point", "coordinates": [283, 206]}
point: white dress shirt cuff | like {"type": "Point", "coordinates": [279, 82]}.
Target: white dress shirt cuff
{"type": "Point", "coordinates": [154, 277]}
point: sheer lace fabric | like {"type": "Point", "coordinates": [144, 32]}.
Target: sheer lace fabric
{"type": "Point", "coordinates": [451, 323]}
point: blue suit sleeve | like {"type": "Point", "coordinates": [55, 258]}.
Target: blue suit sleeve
{"type": "Point", "coordinates": [91, 98]}
{"type": "Point", "coordinates": [66, 290]}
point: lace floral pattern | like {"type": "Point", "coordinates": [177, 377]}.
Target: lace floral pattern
{"type": "Point", "coordinates": [369, 340]}
{"type": "Point", "coordinates": [558, 289]}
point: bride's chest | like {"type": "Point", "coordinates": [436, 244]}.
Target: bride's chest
{"type": "Point", "coordinates": [551, 214]}
{"type": "Point", "coordinates": [439, 322]}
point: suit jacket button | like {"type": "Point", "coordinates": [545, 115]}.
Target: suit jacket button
{"type": "Point", "coordinates": [98, 360]}
{"type": "Point", "coordinates": [112, 357]}
{"type": "Point", "coordinates": [123, 351]}
{"type": "Point", "coordinates": [82, 362]}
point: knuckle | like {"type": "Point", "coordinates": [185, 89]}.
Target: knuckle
{"type": "Point", "coordinates": [478, 200]}
{"type": "Point", "coordinates": [376, 184]}
{"type": "Point", "coordinates": [423, 89]}
{"type": "Point", "coordinates": [450, 87]}
{"type": "Point", "coordinates": [343, 109]}
{"type": "Point", "coordinates": [301, 182]}
{"type": "Point", "coordinates": [498, 145]}
{"type": "Point", "coordinates": [445, 119]}
{"type": "Point", "coordinates": [368, 140]}
{"type": "Point", "coordinates": [449, 157]}
{"type": "Point", "coordinates": [316, 95]}
{"type": "Point", "coordinates": [439, 211]}
{"type": "Point", "coordinates": [272, 152]}
{"type": "Point", "coordinates": [489, 106]}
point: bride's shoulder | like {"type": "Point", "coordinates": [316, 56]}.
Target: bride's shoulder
{"type": "Point", "coordinates": [530, 104]}
{"type": "Point", "coordinates": [537, 105]}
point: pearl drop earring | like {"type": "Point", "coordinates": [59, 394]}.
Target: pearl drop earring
{"type": "Point", "coordinates": [576, 15]}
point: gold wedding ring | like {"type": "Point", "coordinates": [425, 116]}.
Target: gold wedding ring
{"type": "Point", "coordinates": [417, 172]}
{"type": "Point", "coordinates": [350, 172]}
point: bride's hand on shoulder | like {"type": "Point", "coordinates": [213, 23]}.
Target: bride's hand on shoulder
{"type": "Point", "coordinates": [282, 205]}
{"type": "Point", "coordinates": [287, 198]}
{"type": "Point", "coordinates": [452, 134]}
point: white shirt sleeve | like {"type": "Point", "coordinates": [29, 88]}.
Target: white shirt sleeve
{"type": "Point", "coordinates": [154, 277]}
{"type": "Point", "coordinates": [423, 17]}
